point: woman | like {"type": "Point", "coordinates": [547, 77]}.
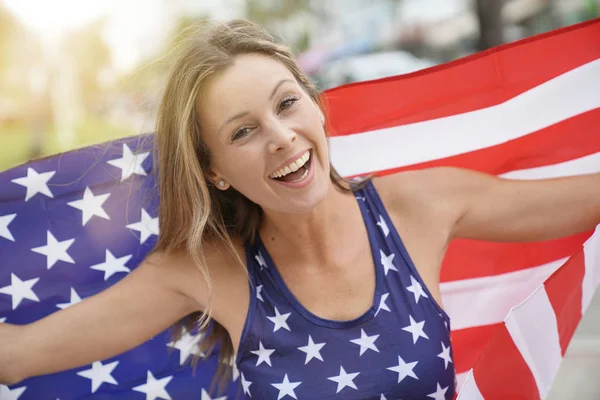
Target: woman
{"type": "Point", "coordinates": [320, 287]}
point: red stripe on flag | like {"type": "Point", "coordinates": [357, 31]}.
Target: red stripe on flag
{"type": "Point", "coordinates": [467, 259]}
{"type": "Point", "coordinates": [480, 80]}
{"type": "Point", "coordinates": [467, 345]}
{"type": "Point", "coordinates": [501, 373]}
{"type": "Point", "coordinates": [568, 140]}
{"type": "Point", "coordinates": [565, 293]}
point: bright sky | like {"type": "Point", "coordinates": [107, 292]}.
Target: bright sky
{"type": "Point", "coordinates": [134, 30]}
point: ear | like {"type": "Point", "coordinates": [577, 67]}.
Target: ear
{"type": "Point", "coordinates": [217, 180]}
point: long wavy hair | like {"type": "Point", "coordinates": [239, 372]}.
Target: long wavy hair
{"type": "Point", "coordinates": [192, 211]}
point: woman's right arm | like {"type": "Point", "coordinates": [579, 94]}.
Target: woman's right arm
{"type": "Point", "coordinates": [158, 293]}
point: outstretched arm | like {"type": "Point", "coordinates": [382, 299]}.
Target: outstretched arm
{"type": "Point", "coordinates": [141, 305]}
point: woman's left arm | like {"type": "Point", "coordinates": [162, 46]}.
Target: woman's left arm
{"type": "Point", "coordinates": [489, 208]}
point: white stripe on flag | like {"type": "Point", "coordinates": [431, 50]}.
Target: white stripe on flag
{"type": "Point", "coordinates": [490, 298]}
{"type": "Point", "coordinates": [531, 111]}
{"type": "Point", "coordinates": [579, 166]}
{"type": "Point", "coordinates": [469, 389]}
{"type": "Point", "coordinates": [534, 330]}
{"type": "Point", "coordinates": [591, 278]}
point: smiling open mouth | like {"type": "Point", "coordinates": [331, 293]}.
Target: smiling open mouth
{"type": "Point", "coordinates": [296, 170]}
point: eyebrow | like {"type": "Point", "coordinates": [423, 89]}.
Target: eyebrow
{"type": "Point", "coordinates": [243, 114]}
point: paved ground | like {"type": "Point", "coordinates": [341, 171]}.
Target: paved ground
{"type": "Point", "coordinates": [579, 374]}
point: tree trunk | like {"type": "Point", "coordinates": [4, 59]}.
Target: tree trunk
{"type": "Point", "coordinates": [489, 14]}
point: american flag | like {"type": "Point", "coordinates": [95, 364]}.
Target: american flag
{"type": "Point", "coordinates": [73, 224]}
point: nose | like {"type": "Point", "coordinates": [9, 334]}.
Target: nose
{"type": "Point", "coordinates": [280, 137]}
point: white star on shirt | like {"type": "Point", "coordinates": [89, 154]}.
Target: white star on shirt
{"type": "Point", "coordinates": [258, 295]}
{"type": "Point", "coordinates": [416, 288]}
{"type": "Point", "coordinates": [383, 225]}
{"type": "Point", "coordinates": [187, 345]}
{"type": "Point", "coordinates": [74, 300]}
{"type": "Point", "coordinates": [20, 290]}
{"type": "Point", "coordinates": [445, 355]}
{"type": "Point", "coordinates": [2, 319]}
{"type": "Point", "coordinates": [416, 328]}
{"type": "Point", "coordinates": [344, 379]}
{"type": "Point", "coordinates": [312, 350]}
{"type": "Point", "coordinates": [261, 260]}
{"type": "Point", "coordinates": [204, 396]}
{"type": "Point", "coordinates": [4, 221]}
{"type": "Point", "coordinates": [382, 397]}
{"type": "Point", "coordinates": [246, 385]}
{"type": "Point", "coordinates": [404, 369]}
{"type": "Point", "coordinates": [280, 320]}
{"type": "Point", "coordinates": [130, 164]}
{"type": "Point", "coordinates": [55, 250]}
{"type": "Point", "coordinates": [286, 388]}
{"type": "Point", "coordinates": [440, 394]}
{"type": "Point", "coordinates": [112, 265]}
{"type": "Point", "coordinates": [366, 342]}
{"type": "Point", "coordinates": [264, 355]}
{"type": "Point", "coordinates": [35, 183]}
{"type": "Point", "coordinates": [155, 388]}
{"type": "Point", "coordinates": [99, 374]}
{"type": "Point", "coordinates": [90, 205]}
{"type": "Point", "coordinates": [11, 394]}
{"type": "Point", "coordinates": [382, 305]}
{"type": "Point", "coordinates": [146, 226]}
{"type": "Point", "coordinates": [386, 261]}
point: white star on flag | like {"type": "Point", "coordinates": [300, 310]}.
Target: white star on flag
{"type": "Point", "coordinates": [261, 260]}
{"type": "Point", "coordinates": [264, 355]}
{"type": "Point", "coordinates": [386, 261]}
{"type": "Point", "coordinates": [4, 221]}
{"type": "Point", "coordinates": [440, 394]}
{"type": "Point", "coordinates": [404, 369]}
{"type": "Point", "coordinates": [146, 226]}
{"type": "Point", "coordinates": [90, 205]}
{"type": "Point", "coordinates": [112, 265]}
{"type": "Point", "coordinates": [100, 374]}
{"type": "Point", "coordinates": [155, 388]}
{"type": "Point", "coordinates": [312, 350]}
{"type": "Point", "coordinates": [204, 396]}
{"type": "Point", "coordinates": [280, 320]}
{"type": "Point", "coordinates": [382, 397]}
{"type": "Point", "coordinates": [130, 164]}
{"type": "Point", "coordinates": [20, 290]}
{"type": "Point", "coordinates": [258, 295]}
{"type": "Point", "coordinates": [286, 388]}
{"type": "Point", "coordinates": [416, 288]}
{"type": "Point", "coordinates": [55, 250]}
{"type": "Point", "coordinates": [383, 225]}
{"type": "Point", "coordinates": [187, 345]}
{"type": "Point", "coordinates": [344, 379]}
{"type": "Point", "coordinates": [416, 328]}
{"type": "Point", "coordinates": [74, 300]}
{"type": "Point", "coordinates": [11, 394]}
{"type": "Point", "coordinates": [2, 319]}
{"type": "Point", "coordinates": [382, 305]}
{"type": "Point", "coordinates": [366, 342]}
{"type": "Point", "coordinates": [35, 183]}
{"type": "Point", "coordinates": [445, 355]}
{"type": "Point", "coordinates": [246, 385]}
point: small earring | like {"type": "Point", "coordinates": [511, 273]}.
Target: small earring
{"type": "Point", "coordinates": [221, 183]}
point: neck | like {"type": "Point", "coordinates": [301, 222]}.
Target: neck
{"type": "Point", "coordinates": [313, 237]}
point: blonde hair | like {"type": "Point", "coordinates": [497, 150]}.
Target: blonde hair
{"type": "Point", "coordinates": [192, 210]}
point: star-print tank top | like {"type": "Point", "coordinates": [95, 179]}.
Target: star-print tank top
{"type": "Point", "coordinates": [398, 349]}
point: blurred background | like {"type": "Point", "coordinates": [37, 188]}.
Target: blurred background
{"type": "Point", "coordinates": [74, 73]}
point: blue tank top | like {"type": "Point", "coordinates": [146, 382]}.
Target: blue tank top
{"type": "Point", "coordinates": [399, 348]}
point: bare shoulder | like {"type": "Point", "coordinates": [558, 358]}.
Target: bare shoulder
{"type": "Point", "coordinates": [182, 274]}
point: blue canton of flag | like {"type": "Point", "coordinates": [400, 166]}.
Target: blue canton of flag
{"type": "Point", "coordinates": [72, 225]}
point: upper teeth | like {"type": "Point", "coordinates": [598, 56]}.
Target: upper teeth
{"type": "Point", "coordinates": [292, 167]}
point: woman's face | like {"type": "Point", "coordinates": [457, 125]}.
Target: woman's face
{"type": "Point", "coordinates": [266, 135]}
